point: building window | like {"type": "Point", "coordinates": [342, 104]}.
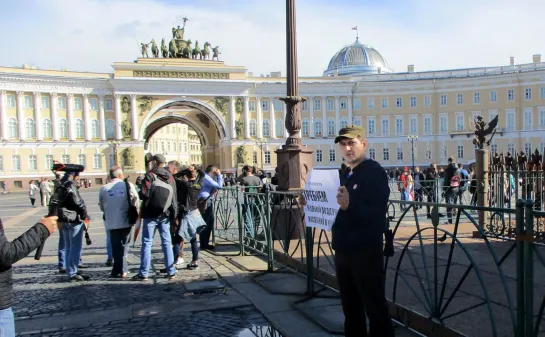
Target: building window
{"type": "Point", "coordinates": [413, 125]}
{"type": "Point", "coordinates": [493, 96]}
{"type": "Point", "coordinates": [30, 128]}
{"type": "Point", "coordinates": [1, 163]}
{"type": "Point", "coordinates": [110, 128]}
{"type": "Point", "coordinates": [344, 123]}
{"type": "Point", "coordinates": [32, 162]}
{"type": "Point", "coordinates": [511, 148]}
{"type": "Point", "coordinates": [97, 161]}
{"type": "Point", "coordinates": [528, 120]}
{"type": "Point", "coordinates": [427, 125]}
{"type": "Point", "coordinates": [460, 99]}
{"type": "Point", "coordinates": [511, 95]}
{"type": "Point", "coordinates": [251, 105]}
{"type": "Point", "coordinates": [370, 103]}
{"type": "Point", "coordinates": [528, 94]}
{"type": "Point", "coordinates": [254, 157]}
{"type": "Point", "coordinates": [265, 105]}
{"type": "Point", "coordinates": [318, 127]}
{"type": "Point", "coordinates": [317, 104]}
{"type": "Point", "coordinates": [494, 148]}
{"type": "Point", "coordinates": [61, 101]}
{"type": "Point", "coordinates": [384, 103]}
{"type": "Point", "coordinates": [266, 128]}
{"type": "Point", "coordinates": [459, 122]}
{"type": "Point", "coordinates": [79, 128]}
{"type": "Point", "coordinates": [528, 148]}
{"type": "Point", "coordinates": [443, 124]}
{"type": "Point", "coordinates": [371, 126]}
{"type": "Point", "coordinates": [476, 98]}
{"type": "Point", "coordinates": [77, 103]}
{"type": "Point", "coordinates": [343, 103]}
{"type": "Point", "coordinates": [332, 155]}
{"type": "Point", "coordinates": [45, 102]}
{"type": "Point", "coordinates": [95, 130]}
{"type": "Point", "coordinates": [11, 101]}
{"type": "Point", "coordinates": [399, 126]}
{"type": "Point", "coordinates": [331, 128]}
{"type": "Point", "coordinates": [357, 121]}
{"type": "Point", "coordinates": [279, 129]}
{"type": "Point", "coordinates": [399, 102]}
{"type": "Point", "coordinates": [542, 118]}
{"type": "Point", "coordinates": [304, 105]}
{"type": "Point", "coordinates": [93, 103]}
{"type": "Point", "coordinates": [267, 157]}
{"type": "Point", "coordinates": [277, 105]}
{"type": "Point", "coordinates": [16, 162]}
{"type": "Point", "coordinates": [385, 127]}
{"type": "Point", "coordinates": [253, 128]}
{"type": "Point", "coordinates": [29, 104]}
{"type": "Point", "coordinates": [413, 102]}
{"type": "Point", "coordinates": [460, 151]}
{"type": "Point", "coordinates": [357, 104]}
{"type": "Point", "coordinates": [329, 104]}
{"type": "Point", "coordinates": [319, 156]}
{"type": "Point", "coordinates": [510, 123]}
{"type": "Point", "coordinates": [385, 154]}
{"type": "Point", "coordinates": [542, 92]}
{"type": "Point", "coordinates": [427, 101]}
{"type": "Point", "coordinates": [443, 100]}
{"type": "Point", "coordinates": [372, 154]}
{"type": "Point", "coordinates": [13, 132]}
{"type": "Point", "coordinates": [81, 159]}
{"type": "Point", "coordinates": [399, 153]}
{"type": "Point", "coordinates": [109, 103]}
{"type": "Point", "coordinates": [305, 127]}
{"type": "Point", "coordinates": [48, 161]}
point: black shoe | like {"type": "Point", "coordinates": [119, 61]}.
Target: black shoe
{"type": "Point", "coordinates": [139, 277]}
{"type": "Point", "coordinates": [62, 271]}
{"type": "Point", "coordinates": [83, 266]}
{"type": "Point", "coordinates": [163, 270]}
{"type": "Point", "coordinates": [79, 278]}
{"type": "Point", "coordinates": [109, 263]}
{"type": "Point", "coordinates": [209, 247]}
{"type": "Point", "coordinates": [428, 216]}
{"type": "Point", "coordinates": [192, 266]}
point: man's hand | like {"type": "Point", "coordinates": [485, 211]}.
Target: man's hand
{"type": "Point", "coordinates": [343, 198]}
{"type": "Point", "coordinates": [217, 172]}
{"type": "Point", "coordinates": [302, 200]}
{"type": "Point", "coordinates": [86, 223]}
{"type": "Point", "coordinates": [50, 223]}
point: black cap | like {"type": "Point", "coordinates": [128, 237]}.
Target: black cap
{"type": "Point", "coordinates": [350, 132]}
{"type": "Point", "coordinates": [159, 159]}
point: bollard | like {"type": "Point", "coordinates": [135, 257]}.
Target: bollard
{"type": "Point", "coordinates": [529, 269]}
{"type": "Point", "coordinates": [481, 170]}
{"type": "Point", "coordinates": [519, 232]}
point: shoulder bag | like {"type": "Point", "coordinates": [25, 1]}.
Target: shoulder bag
{"type": "Point", "coordinates": [133, 212]}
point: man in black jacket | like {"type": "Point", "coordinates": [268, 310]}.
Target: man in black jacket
{"type": "Point", "coordinates": [11, 252]}
{"type": "Point", "coordinates": [358, 238]}
{"type": "Point", "coordinates": [451, 186]}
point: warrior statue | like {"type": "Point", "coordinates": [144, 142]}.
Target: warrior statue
{"type": "Point", "coordinates": [126, 128]}
{"type": "Point", "coordinates": [536, 160]}
{"type": "Point", "coordinates": [509, 161]}
{"type": "Point", "coordinates": [178, 33]}
{"type": "Point", "coordinates": [128, 157]}
{"type": "Point", "coordinates": [164, 49]}
{"type": "Point", "coordinates": [154, 49]}
{"type": "Point", "coordinates": [196, 51]}
{"type": "Point", "coordinates": [205, 52]}
{"type": "Point", "coordinates": [144, 47]}
{"type": "Point", "coordinates": [521, 160]}
{"type": "Point", "coordinates": [496, 161]}
{"type": "Point", "coordinates": [216, 53]}
{"type": "Point", "coordinates": [125, 105]}
{"type": "Point", "coordinates": [482, 130]}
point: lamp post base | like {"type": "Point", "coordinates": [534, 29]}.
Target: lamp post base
{"type": "Point", "coordinates": [294, 166]}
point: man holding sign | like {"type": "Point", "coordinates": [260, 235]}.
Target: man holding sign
{"type": "Point", "coordinates": [358, 238]}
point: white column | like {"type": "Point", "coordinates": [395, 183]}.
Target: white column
{"type": "Point", "coordinates": [20, 118]}
{"type": "Point", "coordinates": [324, 117]}
{"type": "Point", "coordinates": [310, 104]}
{"type": "Point", "coordinates": [246, 118]}
{"type": "Point", "coordinates": [54, 117]}
{"type": "Point", "coordinates": [3, 115]}
{"type": "Point", "coordinates": [259, 118]}
{"type": "Point", "coordinates": [117, 107]}
{"type": "Point", "coordinates": [232, 110]}
{"type": "Point", "coordinates": [337, 115]}
{"type": "Point", "coordinates": [350, 112]}
{"type": "Point", "coordinates": [272, 118]}
{"type": "Point", "coordinates": [71, 122]}
{"type": "Point", "coordinates": [37, 116]}
{"type": "Point", "coordinates": [134, 121]}
{"type": "Point", "coordinates": [86, 118]}
{"type": "Point", "coordinates": [101, 117]}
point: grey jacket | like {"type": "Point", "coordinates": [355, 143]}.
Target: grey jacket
{"type": "Point", "coordinates": [112, 200]}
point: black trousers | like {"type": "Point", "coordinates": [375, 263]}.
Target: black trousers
{"type": "Point", "coordinates": [208, 217]}
{"type": "Point", "coordinates": [120, 239]}
{"type": "Point", "coordinates": [361, 283]}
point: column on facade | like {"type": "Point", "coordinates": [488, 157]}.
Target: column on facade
{"type": "Point", "coordinates": [54, 117]}
{"type": "Point", "coordinates": [259, 118]}
{"type": "Point", "coordinates": [310, 104]}
{"type": "Point", "coordinates": [3, 115]}
{"type": "Point", "coordinates": [86, 119]}
{"type": "Point", "coordinates": [37, 116]}
{"type": "Point", "coordinates": [246, 118]}
{"type": "Point", "coordinates": [71, 122]}
{"type": "Point", "coordinates": [134, 121]}
{"type": "Point", "coordinates": [350, 112]}
{"type": "Point", "coordinates": [101, 117]}
{"type": "Point", "coordinates": [337, 115]}
{"type": "Point", "coordinates": [232, 111]}
{"type": "Point", "coordinates": [324, 117]}
{"type": "Point", "coordinates": [118, 133]}
{"type": "Point", "coordinates": [272, 123]}
{"type": "Point", "coordinates": [20, 116]}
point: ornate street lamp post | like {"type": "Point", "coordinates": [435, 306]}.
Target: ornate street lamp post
{"type": "Point", "coordinates": [413, 139]}
{"type": "Point", "coordinates": [114, 144]}
{"type": "Point", "coordinates": [261, 143]}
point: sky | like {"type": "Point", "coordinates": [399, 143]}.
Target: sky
{"type": "Point", "coordinates": [90, 35]}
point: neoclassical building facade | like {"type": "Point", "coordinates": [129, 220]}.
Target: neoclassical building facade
{"type": "Point", "coordinates": [99, 119]}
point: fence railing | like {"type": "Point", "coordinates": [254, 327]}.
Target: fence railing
{"type": "Point", "coordinates": [439, 275]}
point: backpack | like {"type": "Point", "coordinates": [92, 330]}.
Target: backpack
{"type": "Point", "coordinates": [465, 178]}
{"type": "Point", "coordinates": [159, 196]}
{"type": "Point", "coordinates": [455, 180]}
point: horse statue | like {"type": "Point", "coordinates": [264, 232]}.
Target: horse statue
{"type": "Point", "coordinates": [154, 49]}
{"type": "Point", "coordinates": [216, 51]}
{"type": "Point", "coordinates": [186, 51]}
{"type": "Point", "coordinates": [205, 52]}
{"type": "Point", "coordinates": [173, 49]}
{"type": "Point", "coordinates": [196, 51]}
{"type": "Point", "coordinates": [164, 49]}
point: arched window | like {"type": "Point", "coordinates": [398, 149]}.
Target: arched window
{"type": "Point", "coordinates": [305, 127]}
{"type": "Point", "coordinates": [110, 129]}
{"type": "Point", "coordinates": [318, 127]}
{"type": "Point", "coordinates": [46, 126]}
{"type": "Point", "coordinates": [331, 127]}
{"type": "Point", "coordinates": [12, 128]}
{"type": "Point", "coordinates": [266, 128]}
{"type": "Point", "coordinates": [63, 128]}
{"type": "Point", "coordinates": [29, 128]}
{"type": "Point", "coordinates": [95, 130]}
{"type": "Point", "coordinates": [253, 128]}
{"type": "Point", "coordinates": [279, 128]}
{"type": "Point", "coordinates": [79, 128]}
{"type": "Point", "coordinates": [344, 123]}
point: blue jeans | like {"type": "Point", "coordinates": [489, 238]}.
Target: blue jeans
{"type": "Point", "coordinates": [108, 244]}
{"type": "Point", "coordinates": [62, 252]}
{"type": "Point", "coordinates": [73, 238]}
{"type": "Point", "coordinates": [7, 323]}
{"type": "Point", "coordinates": [148, 231]}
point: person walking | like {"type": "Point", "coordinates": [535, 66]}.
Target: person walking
{"type": "Point", "coordinates": [114, 199]}
{"type": "Point", "coordinates": [213, 181]}
{"type": "Point", "coordinates": [159, 211]}
{"type": "Point", "coordinates": [451, 186]}
{"type": "Point", "coordinates": [32, 188]}
{"type": "Point", "coordinates": [357, 238]}
{"type": "Point", "coordinates": [41, 187]}
{"type": "Point", "coordinates": [418, 187]}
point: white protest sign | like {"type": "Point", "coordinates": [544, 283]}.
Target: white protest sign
{"type": "Point", "coordinates": [321, 197]}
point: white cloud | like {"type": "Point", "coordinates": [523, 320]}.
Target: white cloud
{"type": "Point", "coordinates": [90, 35]}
